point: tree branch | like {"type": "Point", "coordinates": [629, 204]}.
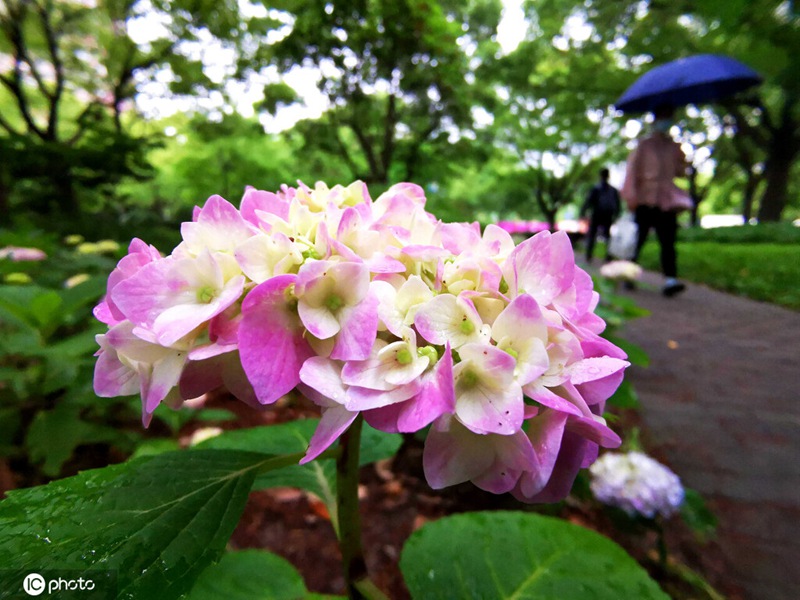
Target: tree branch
{"type": "Point", "coordinates": [13, 31]}
{"type": "Point", "coordinates": [58, 66]}
{"type": "Point", "coordinates": [366, 146]}
{"type": "Point", "coordinates": [388, 133]}
{"type": "Point", "coordinates": [342, 147]}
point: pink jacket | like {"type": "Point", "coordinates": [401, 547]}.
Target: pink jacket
{"type": "Point", "coordinates": [651, 167]}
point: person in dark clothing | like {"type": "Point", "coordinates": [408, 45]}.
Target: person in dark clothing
{"type": "Point", "coordinates": [604, 205]}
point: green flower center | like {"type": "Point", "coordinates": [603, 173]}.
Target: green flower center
{"type": "Point", "coordinates": [468, 378]}
{"type": "Point", "coordinates": [334, 302]}
{"type": "Point", "coordinates": [205, 294]}
{"type": "Point", "coordinates": [467, 326]}
{"type": "Point", "coordinates": [430, 352]}
{"type": "Point", "coordinates": [404, 356]}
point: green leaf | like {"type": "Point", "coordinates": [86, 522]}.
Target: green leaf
{"type": "Point", "coordinates": [157, 521]}
{"type": "Point", "coordinates": [625, 396]}
{"type": "Point", "coordinates": [249, 575]}
{"type": "Point", "coordinates": [318, 476]}
{"type": "Point", "coordinates": [85, 294]}
{"type": "Point", "coordinates": [10, 421]}
{"type": "Point", "coordinates": [53, 436]}
{"type": "Point", "coordinates": [521, 556]}
{"type": "Point", "coordinates": [46, 309]}
{"type": "Point", "coordinates": [697, 515]}
{"type": "Point", "coordinates": [636, 354]}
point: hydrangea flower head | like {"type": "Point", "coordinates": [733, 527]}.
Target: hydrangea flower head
{"type": "Point", "coordinates": [624, 270]}
{"type": "Point", "coordinates": [374, 308]}
{"type": "Point", "coordinates": [637, 484]}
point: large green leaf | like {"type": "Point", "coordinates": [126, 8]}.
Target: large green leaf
{"type": "Point", "coordinates": [319, 476]}
{"type": "Point", "coordinates": [155, 521]}
{"type": "Point", "coordinates": [250, 575]}
{"type": "Point", "coordinates": [519, 555]}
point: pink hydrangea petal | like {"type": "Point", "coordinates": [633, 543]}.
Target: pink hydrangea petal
{"type": "Point", "coordinates": [113, 378]}
{"type": "Point", "coordinates": [365, 399]}
{"type": "Point", "coordinates": [271, 341]}
{"type": "Point", "coordinates": [493, 403]}
{"type": "Point", "coordinates": [219, 227]}
{"type": "Point", "coordinates": [359, 328]}
{"type": "Point", "coordinates": [550, 399]}
{"type": "Point", "coordinates": [384, 264]}
{"type": "Point", "coordinates": [435, 398]}
{"type": "Point", "coordinates": [595, 431]}
{"type": "Point", "coordinates": [257, 200]}
{"type": "Point", "coordinates": [597, 378]}
{"type": "Point", "coordinates": [324, 377]}
{"type": "Point", "coordinates": [442, 319]}
{"type": "Point", "coordinates": [177, 321]}
{"type": "Point", "coordinates": [570, 458]}
{"type": "Point", "coordinates": [514, 454]}
{"type": "Point", "coordinates": [542, 266]}
{"type": "Point", "coordinates": [200, 377]}
{"type": "Point", "coordinates": [596, 346]}
{"type": "Point", "coordinates": [459, 237]}
{"type": "Point", "coordinates": [158, 379]}
{"type": "Point", "coordinates": [496, 241]}
{"type": "Point", "coordinates": [334, 422]}
{"type": "Point", "coordinates": [319, 320]}
{"type": "Point", "coordinates": [139, 255]}
{"type": "Point", "coordinates": [545, 431]}
{"type": "Point", "coordinates": [453, 456]}
{"type": "Point", "coordinates": [103, 313]}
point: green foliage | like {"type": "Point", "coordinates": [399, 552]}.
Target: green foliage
{"type": "Point", "coordinates": [697, 515]}
{"type": "Point", "coordinates": [762, 271]}
{"type": "Point", "coordinates": [50, 413]}
{"type": "Point", "coordinates": [318, 477]}
{"type": "Point", "coordinates": [763, 233]}
{"type": "Point", "coordinates": [519, 555]}
{"type": "Point", "coordinates": [156, 521]}
{"type": "Point", "coordinates": [250, 575]}
{"type": "Point", "coordinates": [397, 75]}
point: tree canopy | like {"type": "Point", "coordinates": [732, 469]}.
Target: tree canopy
{"type": "Point", "coordinates": [415, 90]}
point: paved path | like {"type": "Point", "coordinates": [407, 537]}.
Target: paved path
{"type": "Point", "coordinates": [721, 403]}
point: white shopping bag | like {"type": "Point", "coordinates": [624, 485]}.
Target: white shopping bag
{"type": "Point", "coordinates": [623, 237]}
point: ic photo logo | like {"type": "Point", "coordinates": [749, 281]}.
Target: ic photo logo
{"type": "Point", "coordinates": [34, 584]}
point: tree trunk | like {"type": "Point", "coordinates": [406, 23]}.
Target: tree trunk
{"type": "Point", "coordinates": [67, 199]}
{"type": "Point", "coordinates": [776, 193]}
{"type": "Point", "coordinates": [749, 196]}
{"type": "Point", "coordinates": [783, 149]}
{"type": "Point", "coordinates": [5, 193]}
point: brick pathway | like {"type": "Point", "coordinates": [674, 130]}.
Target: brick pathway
{"type": "Point", "coordinates": [721, 404]}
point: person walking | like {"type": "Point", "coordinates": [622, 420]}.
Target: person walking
{"type": "Point", "coordinates": [604, 206]}
{"type": "Point", "coordinates": [653, 197]}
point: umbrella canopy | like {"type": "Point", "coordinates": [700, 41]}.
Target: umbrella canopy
{"type": "Point", "coordinates": [691, 80]}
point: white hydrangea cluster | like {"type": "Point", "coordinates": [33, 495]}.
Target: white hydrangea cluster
{"type": "Point", "coordinates": [624, 270]}
{"type": "Point", "coordinates": [637, 484]}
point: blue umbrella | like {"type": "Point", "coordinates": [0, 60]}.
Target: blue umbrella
{"type": "Point", "coordinates": [691, 80]}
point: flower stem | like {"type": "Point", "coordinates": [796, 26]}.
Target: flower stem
{"type": "Point", "coordinates": [355, 568]}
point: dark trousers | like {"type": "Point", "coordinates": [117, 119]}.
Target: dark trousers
{"type": "Point", "coordinates": [599, 222]}
{"type": "Point", "coordinates": [666, 225]}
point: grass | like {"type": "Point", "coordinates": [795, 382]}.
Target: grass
{"type": "Point", "coordinates": [760, 270]}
